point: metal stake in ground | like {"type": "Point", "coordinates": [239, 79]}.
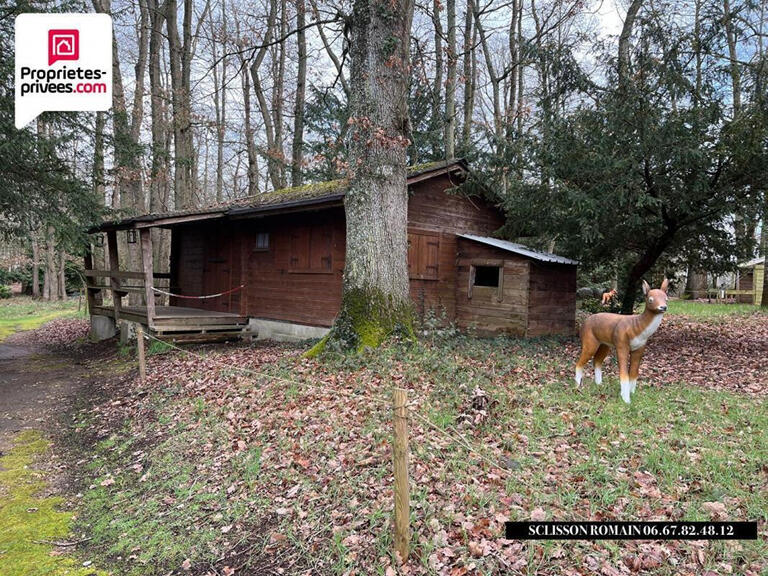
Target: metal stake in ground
{"type": "Point", "coordinates": [400, 457]}
{"type": "Point", "coordinates": [142, 358]}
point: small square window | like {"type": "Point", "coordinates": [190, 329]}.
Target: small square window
{"type": "Point", "coordinates": [262, 242]}
{"type": "Point", "coordinates": [487, 276]}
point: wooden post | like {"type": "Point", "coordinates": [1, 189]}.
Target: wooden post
{"type": "Point", "coordinates": [142, 357]}
{"type": "Point", "coordinates": [400, 453]}
{"type": "Point", "coordinates": [149, 279]}
{"type": "Point", "coordinates": [114, 266]}
{"type": "Point", "coordinates": [90, 295]}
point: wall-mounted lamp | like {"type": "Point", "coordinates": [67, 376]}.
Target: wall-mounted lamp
{"type": "Point", "coordinates": [131, 236]}
{"type": "Point", "coordinates": [98, 240]}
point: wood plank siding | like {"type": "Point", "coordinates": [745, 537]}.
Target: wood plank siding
{"type": "Point", "coordinates": [552, 299]}
{"type": "Point", "coordinates": [535, 298]}
{"type": "Point", "coordinates": [291, 265]}
{"type": "Point", "coordinates": [298, 276]}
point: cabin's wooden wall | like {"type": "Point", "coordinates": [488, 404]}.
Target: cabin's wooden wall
{"type": "Point", "coordinates": [282, 282]}
{"type": "Point", "coordinates": [484, 312]}
{"type": "Point", "coordinates": [431, 210]}
{"type": "Point", "coordinates": [288, 283]}
{"type": "Point", "coordinates": [552, 299]}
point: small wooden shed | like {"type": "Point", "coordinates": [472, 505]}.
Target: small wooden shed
{"type": "Point", "coordinates": [507, 287]}
{"type": "Point", "coordinates": [750, 281]}
{"type": "Point", "coordinates": [274, 263]}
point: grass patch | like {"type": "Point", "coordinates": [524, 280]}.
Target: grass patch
{"type": "Point", "coordinates": [24, 313]}
{"type": "Point", "coordinates": [28, 520]}
{"type": "Point", "coordinates": [700, 310]}
{"type": "Point", "coordinates": [171, 503]}
{"type": "Point", "coordinates": [315, 465]}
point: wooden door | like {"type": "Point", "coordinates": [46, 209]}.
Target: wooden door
{"type": "Point", "coordinates": [219, 272]}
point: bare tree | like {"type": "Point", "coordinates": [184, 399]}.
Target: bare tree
{"type": "Point", "coordinates": [438, 118]}
{"type": "Point", "coordinates": [183, 137]}
{"type": "Point", "coordinates": [273, 159]}
{"type": "Point", "coordinates": [470, 73]}
{"type": "Point", "coordinates": [449, 125]}
{"type": "Point", "coordinates": [297, 150]}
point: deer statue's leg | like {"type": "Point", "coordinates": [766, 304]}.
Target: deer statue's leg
{"type": "Point", "coordinates": [589, 346]}
{"type": "Point", "coordinates": [622, 358]}
{"type": "Point", "coordinates": [634, 367]}
{"type": "Point", "coordinates": [600, 355]}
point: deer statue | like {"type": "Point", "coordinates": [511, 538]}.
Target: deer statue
{"type": "Point", "coordinates": [628, 334]}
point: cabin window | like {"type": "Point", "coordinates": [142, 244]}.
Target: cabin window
{"type": "Point", "coordinates": [486, 276]}
{"type": "Point", "coordinates": [262, 242]}
{"type": "Point", "coordinates": [423, 255]}
{"type": "Point", "coordinates": [311, 250]}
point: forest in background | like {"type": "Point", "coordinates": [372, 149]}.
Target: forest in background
{"type": "Point", "coordinates": [633, 137]}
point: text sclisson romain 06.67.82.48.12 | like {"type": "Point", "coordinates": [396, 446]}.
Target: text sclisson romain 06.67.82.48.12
{"type": "Point", "coordinates": [631, 530]}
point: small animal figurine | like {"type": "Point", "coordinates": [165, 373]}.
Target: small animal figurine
{"type": "Point", "coordinates": [627, 334]}
{"type": "Point", "coordinates": [607, 296]}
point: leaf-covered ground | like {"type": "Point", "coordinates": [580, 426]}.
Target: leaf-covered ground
{"type": "Point", "coordinates": [249, 459]}
{"type": "Point", "coordinates": [23, 313]}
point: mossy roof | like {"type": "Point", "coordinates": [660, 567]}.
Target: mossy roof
{"type": "Point", "coordinates": [314, 193]}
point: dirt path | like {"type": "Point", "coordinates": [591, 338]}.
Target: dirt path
{"type": "Point", "coordinates": [36, 388]}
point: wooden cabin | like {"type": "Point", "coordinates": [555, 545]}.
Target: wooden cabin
{"type": "Point", "coordinates": [273, 264]}
{"type": "Point", "coordinates": [750, 281]}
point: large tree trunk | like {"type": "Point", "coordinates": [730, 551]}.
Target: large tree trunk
{"type": "Point", "coordinates": [696, 283]}
{"type": "Point", "coordinates": [253, 157]}
{"type": "Point", "coordinates": [297, 152]}
{"type": "Point", "coordinates": [375, 297]}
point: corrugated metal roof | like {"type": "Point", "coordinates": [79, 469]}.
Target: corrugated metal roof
{"type": "Point", "coordinates": [520, 249]}
{"type": "Point", "coordinates": [753, 262]}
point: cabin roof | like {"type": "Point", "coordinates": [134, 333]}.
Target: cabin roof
{"type": "Point", "coordinates": [752, 263]}
{"type": "Point", "coordinates": [520, 249]}
{"type": "Point", "coordinates": [306, 197]}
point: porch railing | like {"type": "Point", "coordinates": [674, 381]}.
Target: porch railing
{"type": "Point", "coordinates": [123, 282]}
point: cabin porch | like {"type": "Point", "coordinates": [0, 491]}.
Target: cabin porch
{"type": "Point", "coordinates": [176, 323]}
{"type": "Point", "coordinates": [165, 322]}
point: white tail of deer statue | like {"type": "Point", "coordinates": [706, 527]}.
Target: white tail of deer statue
{"type": "Point", "coordinates": [627, 334]}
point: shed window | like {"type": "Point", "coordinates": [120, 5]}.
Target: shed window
{"type": "Point", "coordinates": [484, 276]}
{"type": "Point", "coordinates": [262, 242]}
{"type": "Point", "coordinates": [487, 276]}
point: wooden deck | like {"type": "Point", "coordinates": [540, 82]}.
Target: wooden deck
{"type": "Point", "coordinates": [178, 323]}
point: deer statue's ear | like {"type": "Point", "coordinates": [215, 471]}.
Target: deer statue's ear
{"type": "Point", "coordinates": [665, 285]}
{"type": "Point", "coordinates": [646, 287]}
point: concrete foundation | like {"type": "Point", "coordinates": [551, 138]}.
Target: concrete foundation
{"type": "Point", "coordinates": [284, 331]}
{"type": "Point", "coordinates": [127, 331]}
{"type": "Point", "coordinates": [102, 328]}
